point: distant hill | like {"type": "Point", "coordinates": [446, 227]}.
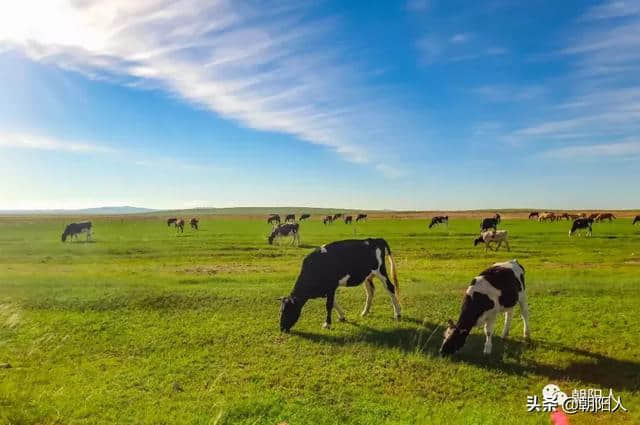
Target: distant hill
{"type": "Point", "coordinates": [248, 211]}
{"type": "Point", "coordinates": [85, 211]}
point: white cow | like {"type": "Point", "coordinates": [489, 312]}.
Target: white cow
{"type": "Point", "coordinates": [490, 236]}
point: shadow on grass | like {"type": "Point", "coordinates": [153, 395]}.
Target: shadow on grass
{"type": "Point", "coordinates": [507, 357]}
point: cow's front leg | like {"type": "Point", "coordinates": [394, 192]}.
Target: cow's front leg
{"type": "Point", "coordinates": [340, 312]}
{"type": "Point", "coordinates": [488, 332]}
{"type": "Point", "coordinates": [330, 299]}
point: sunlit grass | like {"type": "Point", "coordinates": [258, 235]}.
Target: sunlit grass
{"type": "Point", "coordinates": [144, 325]}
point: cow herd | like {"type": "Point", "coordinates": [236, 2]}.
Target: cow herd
{"type": "Point", "coordinates": [178, 223]}
{"type": "Point", "coordinates": [353, 262]}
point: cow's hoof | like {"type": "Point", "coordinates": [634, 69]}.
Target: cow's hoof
{"type": "Point", "coordinates": [326, 325]}
{"type": "Point", "coordinates": [398, 317]}
{"type": "Point", "coordinates": [342, 319]}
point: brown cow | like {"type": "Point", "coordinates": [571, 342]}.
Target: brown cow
{"type": "Point", "coordinates": [547, 216]}
{"type": "Point", "coordinates": [605, 216]}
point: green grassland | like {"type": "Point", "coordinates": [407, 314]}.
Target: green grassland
{"type": "Point", "coordinates": [145, 325]}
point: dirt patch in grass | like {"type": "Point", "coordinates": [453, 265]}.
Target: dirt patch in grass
{"type": "Point", "coordinates": [228, 268]}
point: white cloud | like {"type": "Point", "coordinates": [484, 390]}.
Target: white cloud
{"type": "Point", "coordinates": [603, 86]}
{"type": "Point", "coordinates": [508, 93]}
{"type": "Point", "coordinates": [28, 141]}
{"type": "Point", "coordinates": [622, 149]}
{"type": "Point", "coordinates": [418, 5]}
{"type": "Point", "coordinates": [269, 69]}
{"type": "Point", "coordinates": [460, 38]}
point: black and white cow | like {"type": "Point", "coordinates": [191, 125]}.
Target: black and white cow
{"type": "Point", "coordinates": [489, 223]}
{"type": "Point", "coordinates": [581, 223]}
{"type": "Point", "coordinates": [194, 223]}
{"type": "Point", "coordinates": [636, 219]}
{"type": "Point", "coordinates": [284, 230]}
{"type": "Point", "coordinates": [273, 218]}
{"type": "Point", "coordinates": [304, 217]}
{"type": "Point", "coordinates": [74, 229]}
{"type": "Point", "coordinates": [290, 218]}
{"type": "Point", "coordinates": [361, 217]}
{"type": "Point", "coordinates": [439, 219]}
{"type": "Point", "coordinates": [171, 221]}
{"type": "Point", "coordinates": [337, 216]}
{"type": "Point", "coordinates": [348, 219]}
{"type": "Point", "coordinates": [180, 225]}
{"type": "Point", "coordinates": [327, 219]}
{"type": "Point", "coordinates": [342, 263]}
{"type": "Point", "coordinates": [497, 289]}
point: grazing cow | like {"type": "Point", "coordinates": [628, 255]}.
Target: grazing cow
{"type": "Point", "coordinates": [283, 230]}
{"type": "Point", "coordinates": [274, 219]}
{"type": "Point", "coordinates": [605, 216]}
{"type": "Point", "coordinates": [336, 216]}
{"type": "Point", "coordinates": [636, 219]}
{"type": "Point", "coordinates": [547, 216]}
{"type": "Point", "coordinates": [581, 223]}
{"type": "Point", "coordinates": [439, 219]}
{"type": "Point", "coordinates": [488, 223]}
{"type": "Point", "coordinates": [342, 263]}
{"type": "Point", "coordinates": [74, 229]}
{"type": "Point", "coordinates": [495, 290]}
{"type": "Point", "coordinates": [534, 214]}
{"type": "Point", "coordinates": [180, 225]}
{"type": "Point", "coordinates": [304, 217]}
{"type": "Point", "coordinates": [563, 216]}
{"type": "Point", "coordinates": [327, 219]}
{"type": "Point", "coordinates": [574, 216]}
{"type": "Point", "coordinates": [171, 221]}
{"type": "Point", "coordinates": [290, 218]}
{"type": "Point", "coordinates": [361, 217]}
{"type": "Point", "coordinates": [348, 219]}
{"type": "Point", "coordinates": [490, 236]}
{"type": "Point", "coordinates": [194, 223]}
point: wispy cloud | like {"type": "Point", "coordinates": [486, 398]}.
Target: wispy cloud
{"type": "Point", "coordinates": [603, 100]}
{"type": "Point", "coordinates": [460, 38]}
{"type": "Point", "coordinates": [418, 5]}
{"type": "Point", "coordinates": [508, 93]}
{"type": "Point", "coordinates": [621, 149]}
{"type": "Point", "coordinates": [28, 141]}
{"type": "Point", "coordinates": [269, 69]}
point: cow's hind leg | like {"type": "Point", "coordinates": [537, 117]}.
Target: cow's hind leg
{"type": "Point", "coordinates": [524, 312]}
{"type": "Point", "coordinates": [340, 312]}
{"type": "Point", "coordinates": [382, 275]}
{"type": "Point", "coordinates": [330, 300]}
{"type": "Point", "coordinates": [369, 289]}
{"type": "Point", "coordinates": [508, 315]}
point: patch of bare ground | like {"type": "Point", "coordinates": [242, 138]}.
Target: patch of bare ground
{"type": "Point", "coordinates": [228, 268]}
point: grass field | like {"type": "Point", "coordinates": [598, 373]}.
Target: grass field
{"type": "Point", "coordinates": [144, 325]}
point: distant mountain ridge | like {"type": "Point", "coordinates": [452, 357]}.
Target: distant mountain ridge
{"type": "Point", "coordinates": [116, 210]}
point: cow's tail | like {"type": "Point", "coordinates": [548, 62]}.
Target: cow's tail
{"type": "Point", "coordinates": [392, 267]}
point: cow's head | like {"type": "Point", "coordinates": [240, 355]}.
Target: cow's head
{"type": "Point", "coordinates": [478, 240]}
{"type": "Point", "coordinates": [454, 339]}
{"type": "Point", "coordinates": [290, 309]}
{"type": "Point", "coordinates": [64, 236]}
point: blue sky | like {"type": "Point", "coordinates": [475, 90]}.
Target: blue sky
{"type": "Point", "coordinates": [419, 104]}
